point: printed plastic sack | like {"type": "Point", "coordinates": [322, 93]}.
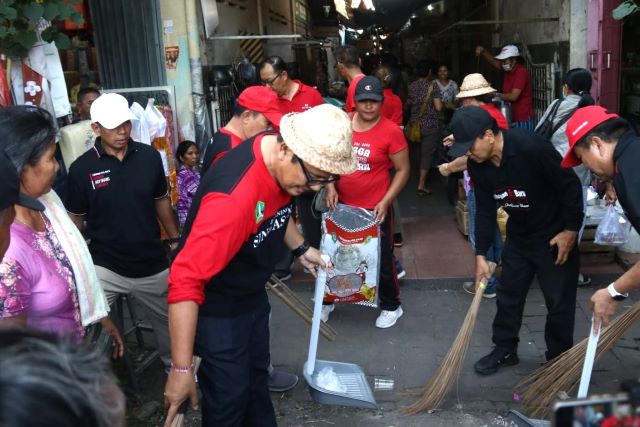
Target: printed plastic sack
{"type": "Point", "coordinates": [613, 228]}
{"type": "Point", "coordinates": [351, 237]}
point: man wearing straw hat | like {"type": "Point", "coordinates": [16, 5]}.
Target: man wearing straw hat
{"type": "Point", "coordinates": [218, 307]}
{"type": "Point", "coordinates": [521, 172]}
{"type": "Point", "coordinates": [610, 148]}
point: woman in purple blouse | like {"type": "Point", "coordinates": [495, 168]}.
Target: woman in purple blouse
{"type": "Point", "coordinates": [188, 178]}
{"type": "Point", "coordinates": [47, 279]}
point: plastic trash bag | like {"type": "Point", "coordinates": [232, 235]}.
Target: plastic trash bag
{"type": "Point", "coordinates": [139, 128]}
{"type": "Point", "coordinates": [351, 237]}
{"type": "Point", "coordinates": [156, 123]}
{"type": "Point", "coordinates": [613, 229]}
{"type": "Point", "coordinates": [329, 380]}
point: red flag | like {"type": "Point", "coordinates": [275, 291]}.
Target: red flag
{"type": "Point", "coordinates": [5, 94]}
{"type": "Point", "coordinates": [32, 82]}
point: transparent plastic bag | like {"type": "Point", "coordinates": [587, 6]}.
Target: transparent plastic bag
{"type": "Point", "coordinates": [613, 229]}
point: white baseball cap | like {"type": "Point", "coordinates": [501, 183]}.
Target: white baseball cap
{"type": "Point", "coordinates": [509, 51]}
{"type": "Point", "coordinates": [111, 110]}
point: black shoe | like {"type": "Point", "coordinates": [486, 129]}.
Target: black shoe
{"type": "Point", "coordinates": [280, 381]}
{"type": "Point", "coordinates": [490, 363]}
{"type": "Point", "coordinates": [397, 240]}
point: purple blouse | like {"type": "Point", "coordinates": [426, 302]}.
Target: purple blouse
{"type": "Point", "coordinates": [36, 279]}
{"type": "Point", "coordinates": [188, 182]}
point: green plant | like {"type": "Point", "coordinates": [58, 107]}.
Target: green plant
{"type": "Point", "coordinates": [21, 20]}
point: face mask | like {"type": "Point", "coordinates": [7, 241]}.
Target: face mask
{"type": "Point", "coordinates": [506, 66]}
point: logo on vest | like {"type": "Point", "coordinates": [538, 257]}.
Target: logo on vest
{"type": "Point", "coordinates": [259, 211]}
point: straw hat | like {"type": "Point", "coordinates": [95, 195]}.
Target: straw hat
{"type": "Point", "coordinates": [321, 136]}
{"type": "Point", "coordinates": [474, 85]}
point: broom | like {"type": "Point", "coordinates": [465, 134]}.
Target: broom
{"type": "Point", "coordinates": [541, 388]}
{"type": "Point", "coordinates": [434, 391]}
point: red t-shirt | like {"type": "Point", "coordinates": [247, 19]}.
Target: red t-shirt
{"type": "Point", "coordinates": [496, 114]}
{"type": "Point", "coordinates": [392, 107]}
{"type": "Point", "coordinates": [239, 225]}
{"type": "Point", "coordinates": [365, 187]}
{"type": "Point", "coordinates": [519, 78]}
{"type": "Point", "coordinates": [305, 97]}
{"type": "Point", "coordinates": [350, 103]}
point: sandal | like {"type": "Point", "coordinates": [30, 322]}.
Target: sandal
{"type": "Point", "coordinates": [423, 191]}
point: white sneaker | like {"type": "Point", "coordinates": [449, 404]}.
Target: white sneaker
{"type": "Point", "coordinates": [326, 311]}
{"type": "Point", "coordinates": [388, 318]}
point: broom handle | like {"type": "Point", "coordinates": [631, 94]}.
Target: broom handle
{"type": "Point", "coordinates": [321, 282]}
{"type": "Point", "coordinates": [588, 361]}
{"type": "Point", "coordinates": [482, 284]}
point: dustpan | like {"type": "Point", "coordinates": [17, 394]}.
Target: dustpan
{"type": "Point", "coordinates": [350, 375]}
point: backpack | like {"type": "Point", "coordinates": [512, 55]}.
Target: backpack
{"type": "Point", "coordinates": [546, 129]}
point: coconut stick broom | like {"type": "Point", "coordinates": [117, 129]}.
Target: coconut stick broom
{"type": "Point", "coordinates": [540, 390]}
{"type": "Point", "coordinates": [435, 390]}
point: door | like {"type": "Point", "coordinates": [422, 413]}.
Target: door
{"type": "Point", "coordinates": [604, 47]}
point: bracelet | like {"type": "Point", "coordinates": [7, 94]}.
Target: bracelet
{"type": "Point", "coordinates": [182, 369]}
{"type": "Point", "coordinates": [300, 250]}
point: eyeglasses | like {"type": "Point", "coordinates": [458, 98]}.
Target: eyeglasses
{"type": "Point", "coordinates": [272, 81]}
{"type": "Point", "coordinates": [313, 180]}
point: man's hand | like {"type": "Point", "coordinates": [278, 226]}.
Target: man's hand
{"type": "Point", "coordinates": [331, 197]}
{"type": "Point", "coordinates": [448, 141]}
{"type": "Point", "coordinates": [479, 50]}
{"type": "Point", "coordinates": [610, 196]}
{"type": "Point", "coordinates": [118, 343]}
{"type": "Point", "coordinates": [311, 260]}
{"type": "Point", "coordinates": [483, 270]}
{"type": "Point", "coordinates": [565, 240]}
{"type": "Point", "coordinates": [178, 388]}
{"type": "Point", "coordinates": [444, 169]}
{"type": "Point", "coordinates": [380, 210]}
{"type": "Point", "coordinates": [603, 307]}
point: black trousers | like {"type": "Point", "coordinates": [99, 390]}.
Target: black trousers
{"type": "Point", "coordinates": [388, 287]}
{"type": "Point", "coordinates": [521, 261]}
{"type": "Point", "coordinates": [311, 226]}
{"type": "Point", "coordinates": [233, 374]}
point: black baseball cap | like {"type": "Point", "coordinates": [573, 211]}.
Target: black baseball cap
{"type": "Point", "coordinates": [369, 88]}
{"type": "Point", "coordinates": [467, 124]}
{"type": "Point", "coordinates": [10, 187]}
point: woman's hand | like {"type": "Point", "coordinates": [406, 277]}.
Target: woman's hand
{"type": "Point", "coordinates": [331, 196]}
{"type": "Point", "coordinates": [380, 210]}
{"type": "Point", "coordinates": [118, 343]}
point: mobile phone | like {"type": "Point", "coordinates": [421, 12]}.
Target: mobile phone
{"type": "Point", "coordinates": [594, 411]}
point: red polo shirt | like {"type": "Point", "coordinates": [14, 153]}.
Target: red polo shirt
{"type": "Point", "coordinates": [392, 107]}
{"type": "Point", "coordinates": [496, 114]}
{"type": "Point", "coordinates": [221, 142]}
{"type": "Point", "coordinates": [350, 103]}
{"type": "Point", "coordinates": [519, 78]}
{"type": "Point", "coordinates": [305, 97]}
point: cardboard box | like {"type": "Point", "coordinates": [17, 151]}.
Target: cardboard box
{"type": "Point", "coordinates": [462, 217]}
{"type": "Point", "coordinates": [462, 195]}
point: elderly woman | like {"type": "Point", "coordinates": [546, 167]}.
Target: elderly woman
{"type": "Point", "coordinates": [47, 279]}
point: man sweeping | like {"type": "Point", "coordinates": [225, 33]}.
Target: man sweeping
{"type": "Point", "coordinates": [610, 148]}
{"type": "Point", "coordinates": [521, 172]}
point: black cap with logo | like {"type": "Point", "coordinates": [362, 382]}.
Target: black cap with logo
{"type": "Point", "coordinates": [369, 88]}
{"type": "Point", "coordinates": [467, 124]}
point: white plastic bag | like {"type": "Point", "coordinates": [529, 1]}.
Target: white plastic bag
{"type": "Point", "coordinates": [329, 380]}
{"type": "Point", "coordinates": [613, 229]}
{"type": "Point", "coordinates": [139, 128]}
{"type": "Point", "coordinates": [156, 122]}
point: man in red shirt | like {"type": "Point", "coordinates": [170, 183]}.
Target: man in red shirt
{"type": "Point", "coordinates": [380, 146]}
{"type": "Point", "coordinates": [256, 110]}
{"type": "Point", "coordinates": [348, 68]}
{"type": "Point", "coordinates": [516, 84]}
{"type": "Point", "coordinates": [293, 95]}
{"type": "Point", "coordinates": [218, 306]}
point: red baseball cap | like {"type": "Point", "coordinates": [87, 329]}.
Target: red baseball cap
{"type": "Point", "coordinates": [582, 121]}
{"type": "Point", "coordinates": [262, 100]}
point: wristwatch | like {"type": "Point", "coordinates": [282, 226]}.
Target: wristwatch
{"type": "Point", "coordinates": [615, 294]}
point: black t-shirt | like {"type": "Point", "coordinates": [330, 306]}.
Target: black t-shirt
{"type": "Point", "coordinates": [118, 199]}
{"type": "Point", "coordinates": [626, 180]}
{"type": "Point", "coordinates": [541, 197]}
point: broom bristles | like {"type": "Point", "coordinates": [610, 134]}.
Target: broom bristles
{"type": "Point", "coordinates": [435, 390]}
{"type": "Point", "coordinates": [542, 387]}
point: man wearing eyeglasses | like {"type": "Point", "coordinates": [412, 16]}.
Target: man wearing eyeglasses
{"type": "Point", "coordinates": [379, 145]}
{"type": "Point", "coordinates": [293, 95]}
{"type": "Point", "coordinates": [218, 306]}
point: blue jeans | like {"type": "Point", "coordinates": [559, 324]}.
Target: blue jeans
{"type": "Point", "coordinates": [523, 125]}
{"type": "Point", "coordinates": [495, 250]}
